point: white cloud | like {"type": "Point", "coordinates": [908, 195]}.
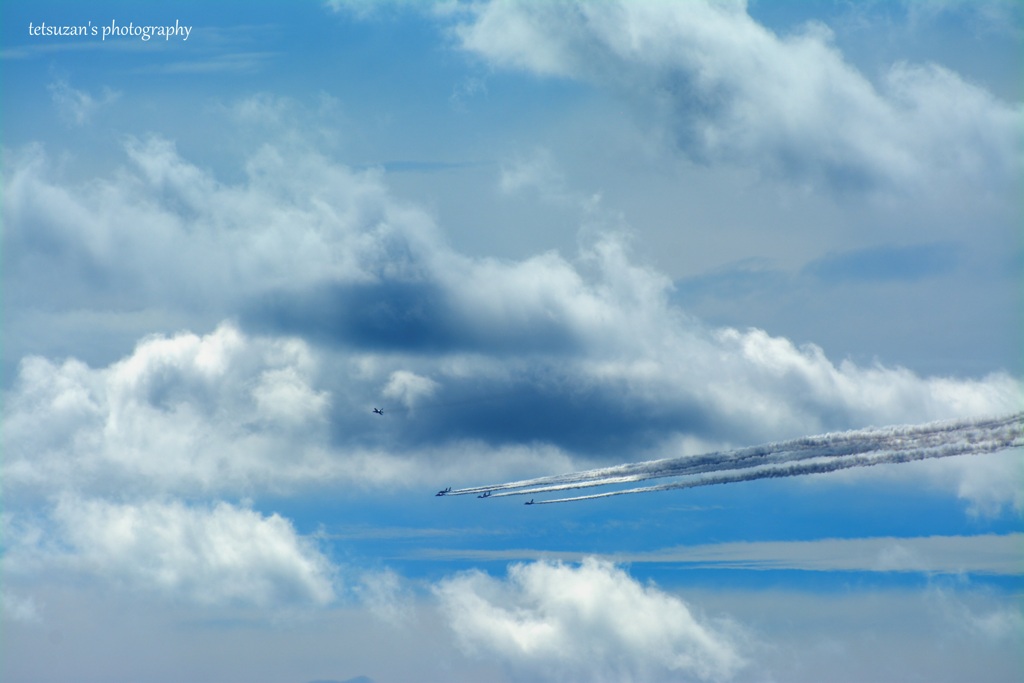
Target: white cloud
{"type": "Point", "coordinates": [408, 387]}
{"type": "Point", "coordinates": [728, 89]}
{"type": "Point", "coordinates": [166, 230]}
{"type": "Point", "coordinates": [988, 489]}
{"type": "Point", "coordinates": [591, 622]}
{"type": "Point", "coordinates": [987, 483]}
{"type": "Point", "coordinates": [185, 413]}
{"type": "Point", "coordinates": [78, 107]}
{"type": "Point", "coordinates": [208, 554]}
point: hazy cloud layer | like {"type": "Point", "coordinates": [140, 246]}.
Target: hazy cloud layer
{"type": "Point", "coordinates": [946, 633]}
{"type": "Point", "coordinates": [983, 554]}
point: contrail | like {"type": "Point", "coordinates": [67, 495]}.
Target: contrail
{"type": "Point", "coordinates": [807, 455]}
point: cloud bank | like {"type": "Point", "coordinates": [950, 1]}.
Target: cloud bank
{"type": "Point", "coordinates": [344, 299]}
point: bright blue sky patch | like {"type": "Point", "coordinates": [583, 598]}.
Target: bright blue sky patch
{"type": "Point", "coordinates": [887, 263]}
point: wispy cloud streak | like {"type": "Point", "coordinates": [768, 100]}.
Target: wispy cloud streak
{"type": "Point", "coordinates": [806, 455]}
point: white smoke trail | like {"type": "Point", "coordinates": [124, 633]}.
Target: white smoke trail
{"type": "Point", "coordinates": [807, 455]}
{"type": "Point", "coordinates": [814, 467]}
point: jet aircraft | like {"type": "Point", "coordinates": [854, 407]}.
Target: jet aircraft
{"type": "Point", "coordinates": [485, 494]}
{"type": "Point", "coordinates": [379, 411]}
{"type": "Point", "coordinates": [444, 491]}
{"type": "Point", "coordinates": [529, 502]}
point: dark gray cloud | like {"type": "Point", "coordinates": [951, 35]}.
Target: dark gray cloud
{"type": "Point", "coordinates": [548, 402]}
{"type": "Point", "coordinates": [406, 316]}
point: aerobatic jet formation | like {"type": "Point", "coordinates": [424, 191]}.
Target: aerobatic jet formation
{"type": "Point", "coordinates": [807, 455]}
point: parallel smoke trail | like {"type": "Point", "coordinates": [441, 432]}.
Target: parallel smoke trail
{"type": "Point", "coordinates": [818, 467]}
{"type": "Point", "coordinates": [843, 444]}
{"type": "Point", "coordinates": [808, 455]}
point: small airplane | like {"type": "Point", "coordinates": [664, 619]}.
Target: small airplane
{"type": "Point", "coordinates": [379, 411]}
{"type": "Point", "coordinates": [529, 502]}
{"type": "Point", "coordinates": [444, 491]}
{"type": "Point", "coordinates": [485, 494]}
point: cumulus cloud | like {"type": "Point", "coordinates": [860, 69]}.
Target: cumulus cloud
{"type": "Point", "coordinates": [590, 622]}
{"type": "Point", "coordinates": [186, 413]}
{"type": "Point", "coordinates": [164, 230]}
{"type": "Point", "coordinates": [212, 554]}
{"type": "Point", "coordinates": [408, 387]}
{"type": "Point", "coordinates": [223, 413]}
{"type": "Point", "coordinates": [987, 489]}
{"type": "Point", "coordinates": [728, 89]}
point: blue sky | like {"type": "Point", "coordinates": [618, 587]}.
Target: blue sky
{"type": "Point", "coordinates": [543, 237]}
